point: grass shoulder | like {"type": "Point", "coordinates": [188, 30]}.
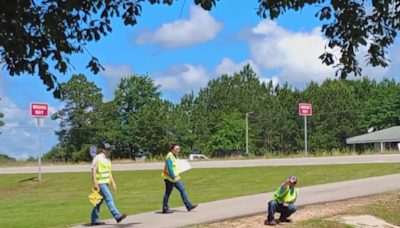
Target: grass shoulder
{"type": "Point", "coordinates": [321, 223]}
{"type": "Point", "coordinates": [142, 191]}
{"type": "Point", "coordinates": [377, 211]}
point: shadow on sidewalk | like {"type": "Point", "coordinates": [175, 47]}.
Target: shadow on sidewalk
{"type": "Point", "coordinates": [121, 225]}
{"type": "Point", "coordinates": [131, 224]}
{"type": "Point", "coordinates": [160, 212]}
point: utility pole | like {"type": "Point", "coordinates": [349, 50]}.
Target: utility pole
{"type": "Point", "coordinates": [247, 131]}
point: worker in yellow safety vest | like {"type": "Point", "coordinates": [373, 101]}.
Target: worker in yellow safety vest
{"type": "Point", "coordinates": [283, 202]}
{"type": "Point", "coordinates": [102, 176]}
{"type": "Point", "coordinates": [172, 179]}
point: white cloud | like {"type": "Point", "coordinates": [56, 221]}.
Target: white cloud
{"type": "Point", "coordinates": [19, 136]}
{"type": "Point", "coordinates": [282, 54]}
{"type": "Point", "coordinates": [185, 77]}
{"type": "Point", "coordinates": [114, 73]}
{"type": "Point", "coordinates": [295, 54]}
{"type": "Point", "coordinates": [21, 157]}
{"type": "Point", "coordinates": [181, 77]}
{"type": "Point", "coordinates": [274, 79]}
{"type": "Point", "coordinates": [117, 71]}
{"type": "Point", "coordinates": [227, 66]}
{"type": "Point", "coordinates": [199, 28]}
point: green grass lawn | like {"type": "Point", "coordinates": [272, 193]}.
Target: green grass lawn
{"type": "Point", "coordinates": [61, 199]}
{"type": "Point", "coordinates": [388, 211]}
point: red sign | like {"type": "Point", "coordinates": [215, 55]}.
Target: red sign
{"type": "Point", "coordinates": [39, 109]}
{"type": "Point", "coordinates": [305, 109]}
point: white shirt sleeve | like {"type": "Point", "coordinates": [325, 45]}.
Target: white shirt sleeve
{"type": "Point", "coordinates": [95, 162]}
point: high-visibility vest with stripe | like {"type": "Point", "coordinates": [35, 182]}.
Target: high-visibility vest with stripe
{"type": "Point", "coordinates": [103, 170]}
{"type": "Point", "coordinates": [166, 173]}
{"type": "Point", "coordinates": [286, 196]}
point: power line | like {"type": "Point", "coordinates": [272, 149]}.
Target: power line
{"type": "Point", "coordinates": [183, 6]}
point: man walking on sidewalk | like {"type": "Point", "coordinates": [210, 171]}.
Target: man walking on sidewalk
{"type": "Point", "coordinates": [283, 202]}
{"type": "Point", "coordinates": [101, 171]}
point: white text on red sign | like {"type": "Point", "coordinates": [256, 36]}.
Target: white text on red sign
{"type": "Point", "coordinates": [39, 112]}
{"type": "Point", "coordinates": [42, 107]}
{"type": "Point", "coordinates": [39, 109]}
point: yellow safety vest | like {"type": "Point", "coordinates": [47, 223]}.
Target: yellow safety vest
{"type": "Point", "coordinates": [166, 173]}
{"type": "Point", "coordinates": [286, 196]}
{"type": "Point", "coordinates": [103, 171]}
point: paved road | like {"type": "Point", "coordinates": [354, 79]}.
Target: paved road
{"type": "Point", "coordinates": [362, 159]}
{"type": "Point", "coordinates": [254, 204]}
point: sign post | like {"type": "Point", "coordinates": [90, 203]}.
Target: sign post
{"type": "Point", "coordinates": [39, 111]}
{"type": "Point", "coordinates": [93, 151]}
{"type": "Point", "coordinates": [305, 109]}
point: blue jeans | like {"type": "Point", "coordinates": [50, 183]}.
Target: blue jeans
{"type": "Point", "coordinates": [168, 189]}
{"type": "Point", "coordinates": [105, 192]}
{"type": "Point", "coordinates": [286, 212]}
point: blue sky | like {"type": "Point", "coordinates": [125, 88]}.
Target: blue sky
{"type": "Point", "coordinates": [180, 55]}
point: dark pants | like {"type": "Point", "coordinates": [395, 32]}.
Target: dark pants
{"type": "Point", "coordinates": [286, 212]}
{"type": "Point", "coordinates": [168, 190]}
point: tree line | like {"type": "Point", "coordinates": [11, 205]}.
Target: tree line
{"type": "Point", "coordinates": [139, 119]}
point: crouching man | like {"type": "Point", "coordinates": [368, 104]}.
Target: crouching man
{"type": "Point", "coordinates": [283, 202]}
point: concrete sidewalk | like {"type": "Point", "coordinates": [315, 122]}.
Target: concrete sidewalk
{"type": "Point", "coordinates": [254, 204]}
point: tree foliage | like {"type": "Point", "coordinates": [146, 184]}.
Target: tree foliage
{"type": "Point", "coordinates": [33, 33]}
{"type": "Point", "coordinates": [36, 32]}
{"type": "Point", "coordinates": [230, 133]}
{"type": "Point", "coordinates": [347, 25]}
{"type": "Point", "coordinates": [140, 119]}
{"type": "Point", "coordinates": [79, 116]}
{"type": "Point", "coordinates": [4, 158]}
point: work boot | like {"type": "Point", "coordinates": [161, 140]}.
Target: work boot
{"type": "Point", "coordinates": [167, 212]}
{"type": "Point", "coordinates": [285, 220]}
{"type": "Point", "coordinates": [98, 223]}
{"type": "Point", "coordinates": [270, 223]}
{"type": "Point", "coordinates": [120, 218]}
{"type": "Point", "coordinates": [192, 207]}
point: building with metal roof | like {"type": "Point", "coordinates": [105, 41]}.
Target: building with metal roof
{"type": "Point", "coordinates": [379, 138]}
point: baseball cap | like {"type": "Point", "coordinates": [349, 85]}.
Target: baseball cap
{"type": "Point", "coordinates": [106, 146]}
{"type": "Point", "coordinates": [292, 177]}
